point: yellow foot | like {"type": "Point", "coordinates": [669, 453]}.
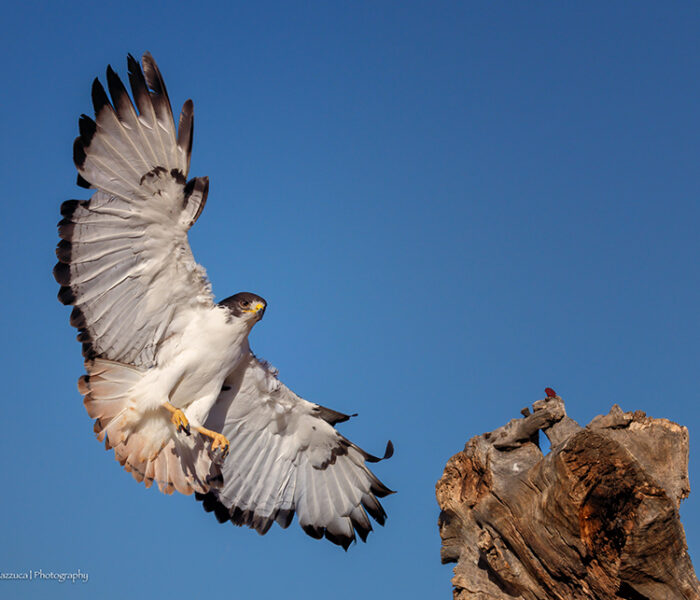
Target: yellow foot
{"type": "Point", "coordinates": [219, 441]}
{"type": "Point", "coordinates": [178, 418]}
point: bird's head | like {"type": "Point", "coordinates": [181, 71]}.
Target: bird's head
{"type": "Point", "coordinates": [246, 306]}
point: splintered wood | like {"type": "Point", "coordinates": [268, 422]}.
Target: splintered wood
{"type": "Point", "coordinates": [595, 518]}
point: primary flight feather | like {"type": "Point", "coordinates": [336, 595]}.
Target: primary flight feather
{"type": "Point", "coordinates": [171, 381]}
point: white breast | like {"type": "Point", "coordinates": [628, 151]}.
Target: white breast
{"type": "Point", "coordinates": [192, 364]}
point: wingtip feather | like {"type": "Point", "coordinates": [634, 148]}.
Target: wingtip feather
{"type": "Point", "coordinates": [79, 155]}
{"type": "Point", "coordinates": [100, 100]}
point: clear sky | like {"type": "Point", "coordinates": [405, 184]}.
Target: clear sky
{"type": "Point", "coordinates": [448, 207]}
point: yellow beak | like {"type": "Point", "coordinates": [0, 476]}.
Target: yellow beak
{"type": "Point", "coordinates": [257, 308]}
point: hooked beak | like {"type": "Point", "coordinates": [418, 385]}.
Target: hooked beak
{"type": "Point", "coordinates": [258, 310]}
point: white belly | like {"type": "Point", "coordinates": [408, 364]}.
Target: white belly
{"type": "Point", "coordinates": [192, 365]}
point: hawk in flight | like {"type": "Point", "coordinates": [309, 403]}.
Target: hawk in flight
{"type": "Point", "coordinates": [171, 381]}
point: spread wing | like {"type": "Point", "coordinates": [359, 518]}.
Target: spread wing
{"type": "Point", "coordinates": [124, 260]}
{"type": "Point", "coordinates": [287, 457]}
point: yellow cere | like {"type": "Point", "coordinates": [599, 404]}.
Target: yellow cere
{"type": "Point", "coordinates": [256, 308]}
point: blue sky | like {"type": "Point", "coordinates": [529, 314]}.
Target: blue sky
{"type": "Point", "coordinates": [448, 207]}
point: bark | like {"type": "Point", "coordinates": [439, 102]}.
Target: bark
{"type": "Point", "coordinates": [596, 517]}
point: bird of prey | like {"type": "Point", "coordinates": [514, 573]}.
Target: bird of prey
{"type": "Point", "coordinates": [171, 381]}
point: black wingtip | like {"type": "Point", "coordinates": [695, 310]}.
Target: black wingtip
{"type": "Point", "coordinates": [188, 107]}
{"type": "Point", "coordinates": [120, 97]}
{"type": "Point", "coordinates": [361, 530]}
{"type": "Point", "coordinates": [87, 128]}
{"type": "Point", "coordinates": [151, 74]}
{"type": "Point", "coordinates": [377, 514]}
{"type": "Point", "coordinates": [132, 64]}
{"type": "Point", "coordinates": [221, 513]}
{"type": "Point", "coordinates": [284, 517]}
{"type": "Point", "coordinates": [64, 250]}
{"type": "Point", "coordinates": [210, 503]}
{"type": "Point", "coordinates": [261, 524]}
{"type": "Point", "coordinates": [388, 453]}
{"type": "Point", "coordinates": [66, 295]}
{"type": "Point", "coordinates": [77, 318]}
{"type": "Point", "coordinates": [68, 207]}
{"type": "Point", "coordinates": [185, 131]}
{"type": "Point", "coordinates": [380, 490]}
{"type": "Point", "coordinates": [66, 228]}
{"type": "Point", "coordinates": [88, 351]}
{"type": "Point", "coordinates": [99, 97]}
{"type": "Point", "coordinates": [79, 155]}
{"type": "Point", "coordinates": [340, 540]}
{"type": "Point", "coordinates": [82, 182]}
{"type": "Point", "coordinates": [330, 416]}
{"type": "Point", "coordinates": [314, 532]}
{"type": "Point", "coordinates": [142, 97]}
{"type": "Point", "coordinates": [156, 86]}
{"type": "Point", "coordinates": [61, 273]}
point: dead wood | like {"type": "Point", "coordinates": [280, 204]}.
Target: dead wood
{"type": "Point", "coordinates": [595, 518]}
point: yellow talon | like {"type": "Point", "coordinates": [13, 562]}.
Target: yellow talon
{"type": "Point", "coordinates": [178, 418]}
{"type": "Point", "coordinates": [219, 441]}
{"type": "Point", "coordinates": [180, 421]}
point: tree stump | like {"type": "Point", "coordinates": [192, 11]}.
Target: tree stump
{"type": "Point", "coordinates": [595, 518]}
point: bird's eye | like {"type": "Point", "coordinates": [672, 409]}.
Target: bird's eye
{"type": "Point", "coordinates": [244, 303]}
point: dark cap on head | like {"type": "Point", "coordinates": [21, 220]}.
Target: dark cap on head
{"type": "Point", "coordinates": [244, 302]}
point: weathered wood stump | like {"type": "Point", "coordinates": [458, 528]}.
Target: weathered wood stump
{"type": "Point", "coordinates": [595, 518]}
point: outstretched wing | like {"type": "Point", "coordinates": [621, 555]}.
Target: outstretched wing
{"type": "Point", "coordinates": [124, 260]}
{"type": "Point", "coordinates": [287, 457]}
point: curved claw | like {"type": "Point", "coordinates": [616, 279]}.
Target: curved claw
{"type": "Point", "coordinates": [219, 442]}
{"type": "Point", "coordinates": [178, 418]}
{"type": "Point", "coordinates": [180, 421]}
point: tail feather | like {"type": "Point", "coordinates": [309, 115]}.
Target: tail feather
{"type": "Point", "coordinates": [145, 444]}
